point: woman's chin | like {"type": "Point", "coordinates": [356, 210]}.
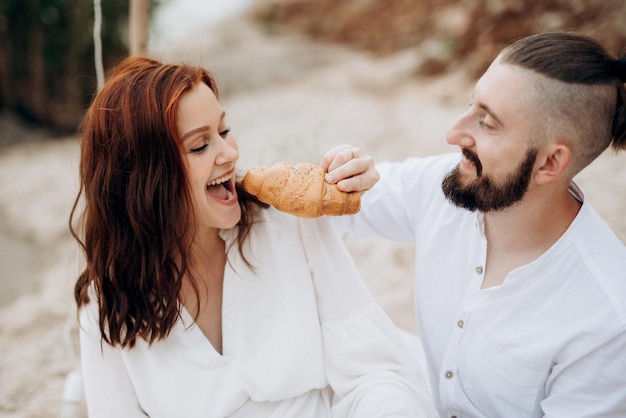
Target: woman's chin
{"type": "Point", "coordinates": [234, 220]}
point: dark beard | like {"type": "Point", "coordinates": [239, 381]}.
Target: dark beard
{"type": "Point", "coordinates": [484, 194]}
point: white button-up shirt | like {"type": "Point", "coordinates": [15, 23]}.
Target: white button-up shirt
{"type": "Point", "coordinates": [549, 341]}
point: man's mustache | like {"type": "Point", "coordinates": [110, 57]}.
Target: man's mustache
{"type": "Point", "coordinates": [474, 159]}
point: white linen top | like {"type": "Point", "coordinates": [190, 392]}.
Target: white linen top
{"type": "Point", "coordinates": [301, 338]}
{"type": "Point", "coordinates": [550, 341]}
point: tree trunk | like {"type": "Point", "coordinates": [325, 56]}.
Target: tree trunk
{"type": "Point", "coordinates": [138, 27]}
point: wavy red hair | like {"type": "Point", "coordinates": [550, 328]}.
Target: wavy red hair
{"type": "Point", "coordinates": [136, 226]}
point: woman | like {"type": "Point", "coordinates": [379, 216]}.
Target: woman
{"type": "Point", "coordinates": [196, 301]}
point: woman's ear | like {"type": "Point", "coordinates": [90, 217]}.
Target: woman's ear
{"type": "Point", "coordinates": [554, 163]}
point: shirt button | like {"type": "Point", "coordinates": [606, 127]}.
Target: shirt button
{"type": "Point", "coordinates": [479, 270]}
{"type": "Point", "coordinates": [460, 323]}
{"type": "Point", "coordinates": [453, 416]}
{"type": "Point", "coordinates": [449, 374]}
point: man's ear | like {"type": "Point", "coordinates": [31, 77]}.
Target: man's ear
{"type": "Point", "coordinates": [554, 162]}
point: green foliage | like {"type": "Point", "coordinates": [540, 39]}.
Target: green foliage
{"type": "Point", "coordinates": [47, 68]}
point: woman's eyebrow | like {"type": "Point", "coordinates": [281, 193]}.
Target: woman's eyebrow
{"type": "Point", "coordinates": [201, 128]}
{"type": "Point", "coordinates": [195, 131]}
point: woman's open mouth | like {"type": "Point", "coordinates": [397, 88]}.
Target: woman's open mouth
{"type": "Point", "coordinates": [222, 188]}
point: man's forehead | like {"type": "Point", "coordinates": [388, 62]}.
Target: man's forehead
{"type": "Point", "coordinates": [505, 86]}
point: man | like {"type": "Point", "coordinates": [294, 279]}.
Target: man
{"type": "Point", "coordinates": [520, 291]}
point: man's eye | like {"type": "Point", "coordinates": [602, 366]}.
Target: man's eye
{"type": "Point", "coordinates": [484, 124]}
{"type": "Point", "coordinates": [199, 149]}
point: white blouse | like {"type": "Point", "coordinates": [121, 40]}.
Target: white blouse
{"type": "Point", "coordinates": [302, 337]}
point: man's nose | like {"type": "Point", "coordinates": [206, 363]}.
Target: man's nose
{"type": "Point", "coordinates": [460, 133]}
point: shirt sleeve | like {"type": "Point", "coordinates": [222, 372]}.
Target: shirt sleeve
{"type": "Point", "coordinates": [369, 362]}
{"type": "Point", "coordinates": [394, 207]}
{"type": "Point", "coordinates": [108, 389]}
{"type": "Point", "coordinates": [590, 384]}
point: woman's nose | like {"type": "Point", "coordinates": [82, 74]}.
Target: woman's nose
{"type": "Point", "coordinates": [229, 152]}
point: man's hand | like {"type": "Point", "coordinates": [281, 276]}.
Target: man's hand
{"type": "Point", "coordinates": [350, 169]}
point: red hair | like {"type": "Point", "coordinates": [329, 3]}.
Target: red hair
{"type": "Point", "coordinates": [137, 222]}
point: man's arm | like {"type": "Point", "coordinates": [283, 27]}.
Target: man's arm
{"type": "Point", "coordinates": [591, 384]}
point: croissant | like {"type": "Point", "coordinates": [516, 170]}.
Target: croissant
{"type": "Point", "coordinates": [299, 189]}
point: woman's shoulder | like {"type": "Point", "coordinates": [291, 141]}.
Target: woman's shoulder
{"type": "Point", "coordinates": [272, 225]}
{"type": "Point", "coordinates": [88, 314]}
{"type": "Point", "coordinates": [265, 224]}
{"type": "Point", "coordinates": [273, 219]}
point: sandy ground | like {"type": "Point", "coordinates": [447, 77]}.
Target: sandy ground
{"type": "Point", "coordinates": [287, 100]}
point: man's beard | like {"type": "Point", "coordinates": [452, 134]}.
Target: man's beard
{"type": "Point", "coordinates": [484, 193]}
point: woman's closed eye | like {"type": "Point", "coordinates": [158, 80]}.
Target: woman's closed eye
{"type": "Point", "coordinates": [200, 148]}
{"type": "Point", "coordinates": [225, 132]}
{"type": "Point", "coordinates": [206, 141]}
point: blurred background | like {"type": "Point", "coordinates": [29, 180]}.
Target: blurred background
{"type": "Point", "coordinates": [47, 73]}
{"type": "Point", "coordinates": [296, 77]}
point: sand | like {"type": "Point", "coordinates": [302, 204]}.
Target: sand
{"type": "Point", "coordinates": [287, 99]}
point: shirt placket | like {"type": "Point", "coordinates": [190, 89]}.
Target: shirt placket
{"type": "Point", "coordinates": [450, 390]}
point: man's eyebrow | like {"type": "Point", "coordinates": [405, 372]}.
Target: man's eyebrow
{"type": "Point", "coordinates": [201, 128]}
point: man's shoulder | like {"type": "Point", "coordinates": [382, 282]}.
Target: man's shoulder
{"type": "Point", "coordinates": [602, 255]}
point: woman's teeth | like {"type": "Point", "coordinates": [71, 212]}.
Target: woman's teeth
{"type": "Point", "coordinates": [220, 188]}
{"type": "Point", "coordinates": [219, 180]}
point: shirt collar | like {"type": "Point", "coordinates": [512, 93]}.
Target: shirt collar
{"type": "Point", "coordinates": [576, 192]}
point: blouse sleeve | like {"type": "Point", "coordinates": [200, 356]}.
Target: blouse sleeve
{"type": "Point", "coordinates": [108, 389]}
{"type": "Point", "coordinates": [369, 362]}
